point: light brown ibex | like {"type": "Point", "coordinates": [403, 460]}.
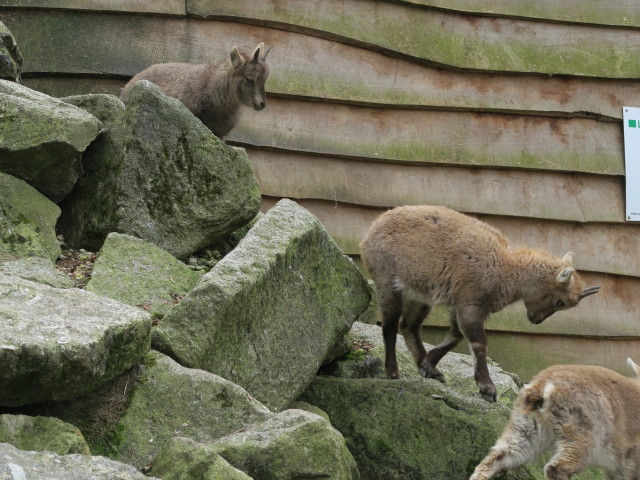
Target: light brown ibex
{"type": "Point", "coordinates": [420, 256]}
{"type": "Point", "coordinates": [213, 92]}
{"type": "Point", "coordinates": [587, 415]}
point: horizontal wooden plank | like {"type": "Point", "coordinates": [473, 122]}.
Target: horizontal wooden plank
{"type": "Point", "coordinates": [547, 195]}
{"type": "Point", "coordinates": [526, 355]}
{"type": "Point", "coordinates": [303, 66]}
{"type": "Point", "coordinates": [598, 247]}
{"type": "Point", "coordinates": [168, 7]}
{"type": "Point", "coordinates": [428, 137]}
{"type": "Point", "coordinates": [611, 313]}
{"type": "Point", "coordinates": [447, 38]}
{"type": "Point", "coordinates": [66, 86]}
{"type": "Point", "coordinates": [596, 12]}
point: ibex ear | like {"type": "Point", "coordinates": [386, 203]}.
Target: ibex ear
{"type": "Point", "coordinates": [568, 258]}
{"type": "Point", "coordinates": [235, 57]}
{"type": "Point", "coordinates": [564, 277]}
{"type": "Point", "coordinates": [257, 53]}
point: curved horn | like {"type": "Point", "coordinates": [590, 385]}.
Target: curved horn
{"type": "Point", "coordinates": [256, 52]}
{"type": "Point", "coordinates": [564, 277]}
{"type": "Point", "coordinates": [264, 57]}
{"type": "Point", "coordinates": [568, 258]}
{"type": "Point", "coordinates": [588, 291]}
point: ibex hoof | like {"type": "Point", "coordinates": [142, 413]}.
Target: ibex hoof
{"type": "Point", "coordinates": [488, 392]}
{"type": "Point", "coordinates": [431, 372]}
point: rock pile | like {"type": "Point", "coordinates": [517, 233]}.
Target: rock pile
{"type": "Point", "coordinates": [180, 374]}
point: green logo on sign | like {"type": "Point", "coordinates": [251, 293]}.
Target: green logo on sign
{"type": "Point", "coordinates": [633, 123]}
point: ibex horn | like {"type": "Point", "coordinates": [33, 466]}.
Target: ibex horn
{"type": "Point", "coordinates": [264, 57]}
{"type": "Point", "coordinates": [588, 291]}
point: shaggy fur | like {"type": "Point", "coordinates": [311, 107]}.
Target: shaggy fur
{"type": "Point", "coordinates": [420, 256]}
{"type": "Point", "coordinates": [587, 415]}
{"type": "Point", "coordinates": [213, 93]}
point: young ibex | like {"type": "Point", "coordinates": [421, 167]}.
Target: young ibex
{"type": "Point", "coordinates": [420, 256]}
{"type": "Point", "coordinates": [213, 92]}
{"type": "Point", "coordinates": [587, 415]}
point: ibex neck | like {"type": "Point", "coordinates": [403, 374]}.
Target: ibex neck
{"type": "Point", "coordinates": [532, 268]}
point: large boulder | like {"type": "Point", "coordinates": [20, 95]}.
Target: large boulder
{"type": "Point", "coordinates": [41, 434]}
{"type": "Point", "coordinates": [36, 269]}
{"type": "Point", "coordinates": [160, 175]}
{"type": "Point", "coordinates": [291, 445]}
{"type": "Point", "coordinates": [27, 220]}
{"type": "Point", "coordinates": [59, 343]}
{"type": "Point", "coordinates": [42, 139]}
{"type": "Point", "coordinates": [269, 311]}
{"type": "Point", "coordinates": [171, 400]}
{"type": "Point", "coordinates": [139, 273]}
{"type": "Point", "coordinates": [21, 465]}
{"type": "Point", "coordinates": [184, 458]}
{"type": "Point", "coordinates": [10, 56]}
{"type": "Point", "coordinates": [414, 428]}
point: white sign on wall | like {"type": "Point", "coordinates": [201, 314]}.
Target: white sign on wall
{"type": "Point", "coordinates": [631, 119]}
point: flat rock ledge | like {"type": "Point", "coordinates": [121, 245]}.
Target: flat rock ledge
{"type": "Point", "coordinates": [56, 344]}
{"type": "Point", "coordinates": [20, 465]}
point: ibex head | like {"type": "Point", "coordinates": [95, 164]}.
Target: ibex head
{"type": "Point", "coordinates": [250, 74]}
{"type": "Point", "coordinates": [564, 291]}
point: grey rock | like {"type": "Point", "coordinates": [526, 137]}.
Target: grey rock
{"type": "Point", "coordinates": [42, 138]}
{"type": "Point", "coordinates": [59, 343]}
{"type": "Point", "coordinates": [139, 273]}
{"type": "Point", "coordinates": [160, 175]}
{"type": "Point", "coordinates": [270, 310]}
{"type": "Point", "coordinates": [171, 400]}
{"type": "Point", "coordinates": [36, 269]}
{"type": "Point", "coordinates": [184, 458]}
{"type": "Point", "coordinates": [10, 56]}
{"type": "Point", "coordinates": [27, 221]}
{"type": "Point", "coordinates": [22, 465]}
{"type": "Point", "coordinates": [41, 434]}
{"type": "Point", "coordinates": [291, 445]}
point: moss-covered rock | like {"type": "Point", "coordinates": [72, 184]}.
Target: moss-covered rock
{"type": "Point", "coordinates": [414, 428]}
{"type": "Point", "coordinates": [10, 56]}
{"type": "Point", "coordinates": [27, 221]}
{"type": "Point", "coordinates": [20, 464]}
{"type": "Point", "coordinates": [160, 175]}
{"type": "Point", "coordinates": [292, 445]}
{"type": "Point", "coordinates": [37, 270]}
{"type": "Point", "coordinates": [269, 311]}
{"type": "Point", "coordinates": [42, 138]}
{"type": "Point", "coordinates": [139, 273]}
{"type": "Point", "coordinates": [171, 400]}
{"type": "Point", "coordinates": [183, 458]}
{"type": "Point", "coordinates": [42, 434]}
{"type": "Point", "coordinates": [59, 343]}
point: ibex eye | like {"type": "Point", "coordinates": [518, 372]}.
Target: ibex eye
{"type": "Point", "coordinates": [559, 304]}
{"type": "Point", "coordinates": [249, 80]}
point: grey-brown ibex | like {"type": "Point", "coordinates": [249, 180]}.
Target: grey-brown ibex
{"type": "Point", "coordinates": [420, 256]}
{"type": "Point", "coordinates": [587, 415]}
{"type": "Point", "coordinates": [213, 92]}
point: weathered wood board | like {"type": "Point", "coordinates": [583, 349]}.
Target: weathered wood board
{"type": "Point", "coordinates": [596, 12]}
{"type": "Point", "coordinates": [557, 196]}
{"type": "Point", "coordinates": [597, 247]}
{"type": "Point", "coordinates": [612, 313]}
{"type": "Point", "coordinates": [428, 137]}
{"type": "Point", "coordinates": [526, 355]}
{"type": "Point", "coordinates": [302, 66]}
{"type": "Point", "coordinates": [169, 7]}
{"type": "Point", "coordinates": [447, 38]}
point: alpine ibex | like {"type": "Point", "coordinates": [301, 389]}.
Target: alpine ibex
{"type": "Point", "coordinates": [420, 256]}
{"type": "Point", "coordinates": [589, 417]}
{"type": "Point", "coordinates": [213, 92]}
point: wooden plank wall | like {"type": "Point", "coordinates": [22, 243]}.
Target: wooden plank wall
{"type": "Point", "coordinates": [510, 111]}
